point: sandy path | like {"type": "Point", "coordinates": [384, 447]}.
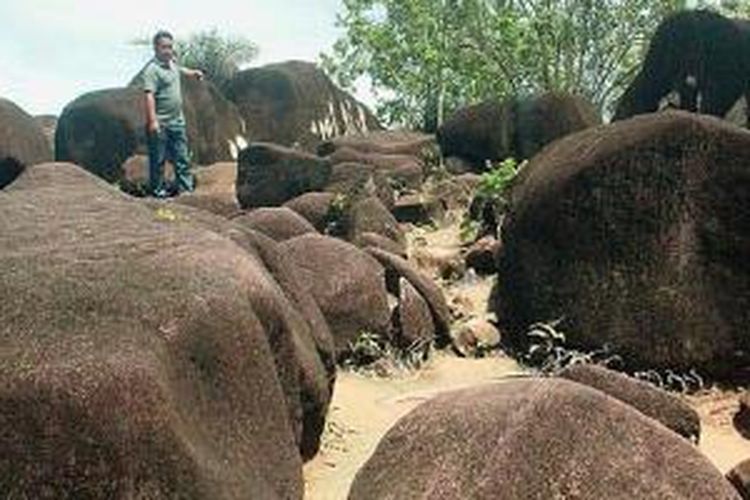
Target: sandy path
{"type": "Point", "coordinates": [364, 408]}
{"type": "Point", "coordinates": [720, 441]}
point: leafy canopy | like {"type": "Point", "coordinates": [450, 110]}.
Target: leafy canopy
{"type": "Point", "coordinates": [427, 57]}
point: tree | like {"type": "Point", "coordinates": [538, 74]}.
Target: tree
{"type": "Point", "coordinates": [426, 57]}
{"type": "Point", "coordinates": [218, 56]}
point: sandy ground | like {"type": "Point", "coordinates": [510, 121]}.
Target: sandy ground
{"type": "Point", "coordinates": [365, 407]}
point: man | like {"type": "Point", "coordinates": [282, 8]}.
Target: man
{"type": "Point", "coordinates": [165, 120]}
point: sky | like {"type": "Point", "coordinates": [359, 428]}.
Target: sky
{"type": "Point", "coordinates": [52, 51]}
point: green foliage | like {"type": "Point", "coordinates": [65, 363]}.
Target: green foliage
{"type": "Point", "coordinates": [428, 57]}
{"type": "Point", "coordinates": [372, 354]}
{"type": "Point", "coordinates": [547, 350]}
{"type": "Point", "coordinates": [495, 182]}
{"type": "Point", "coordinates": [490, 200]}
{"type": "Point", "coordinates": [218, 56]}
{"type": "Point", "coordinates": [336, 216]}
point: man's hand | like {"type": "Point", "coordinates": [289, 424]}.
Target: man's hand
{"type": "Point", "coordinates": [153, 127]}
{"type": "Point", "coordinates": [198, 74]}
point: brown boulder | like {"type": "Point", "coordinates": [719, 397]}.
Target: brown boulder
{"type": "Point", "coordinates": [315, 207]}
{"type": "Point", "coordinates": [348, 285]}
{"type": "Point", "coordinates": [366, 239]}
{"type": "Point", "coordinates": [413, 325]}
{"type": "Point", "coordinates": [369, 215]}
{"type": "Point", "coordinates": [419, 208]}
{"type": "Point", "coordinates": [22, 142]}
{"type": "Point", "coordinates": [397, 267]}
{"type": "Point", "coordinates": [475, 337]}
{"type": "Point", "coordinates": [741, 419]}
{"type": "Point", "coordinates": [359, 180]}
{"type": "Point", "coordinates": [478, 133]}
{"type": "Point", "coordinates": [214, 190]}
{"type": "Point", "coordinates": [543, 119]}
{"type": "Point", "coordinates": [295, 103]}
{"type": "Point", "coordinates": [637, 234]}
{"type": "Point", "coordinates": [739, 476]}
{"type": "Point", "coordinates": [301, 340]}
{"type": "Point", "coordinates": [403, 170]}
{"type": "Point", "coordinates": [653, 402]}
{"type": "Point", "coordinates": [305, 357]}
{"type": "Point", "coordinates": [278, 223]}
{"type": "Point", "coordinates": [516, 128]}
{"type": "Point", "coordinates": [384, 142]}
{"type": "Point", "coordinates": [100, 130]}
{"type": "Point", "coordinates": [269, 175]}
{"type": "Point", "coordinates": [137, 354]}
{"type": "Point", "coordinates": [482, 255]}
{"type": "Point", "coordinates": [538, 438]}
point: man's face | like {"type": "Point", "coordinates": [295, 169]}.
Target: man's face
{"type": "Point", "coordinates": [164, 49]}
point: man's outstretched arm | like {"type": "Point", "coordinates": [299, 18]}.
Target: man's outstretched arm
{"type": "Point", "coordinates": [192, 73]}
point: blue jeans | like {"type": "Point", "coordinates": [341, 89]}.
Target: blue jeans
{"type": "Point", "coordinates": [170, 143]}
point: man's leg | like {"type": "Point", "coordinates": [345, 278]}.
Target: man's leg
{"type": "Point", "coordinates": [177, 151]}
{"type": "Point", "coordinates": [156, 151]}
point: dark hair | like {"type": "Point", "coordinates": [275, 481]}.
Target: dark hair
{"type": "Point", "coordinates": [162, 34]}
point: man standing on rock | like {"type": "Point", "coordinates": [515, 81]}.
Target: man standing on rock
{"type": "Point", "coordinates": [165, 120]}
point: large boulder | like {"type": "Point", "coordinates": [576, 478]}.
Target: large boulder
{"type": "Point", "coordinates": [398, 267]}
{"type": "Point", "coordinates": [693, 53]}
{"type": "Point", "coordinates": [101, 129]}
{"type": "Point", "coordinates": [295, 103]}
{"type": "Point", "coordinates": [369, 215]}
{"type": "Point", "coordinates": [412, 319]}
{"type": "Point", "coordinates": [278, 223]}
{"type": "Point", "coordinates": [637, 235]}
{"type": "Point", "coordinates": [348, 285]}
{"type": "Point", "coordinates": [140, 352]}
{"type": "Point", "coordinates": [517, 127]}
{"type": "Point", "coordinates": [353, 181]}
{"type": "Point", "coordinates": [538, 438]}
{"type": "Point", "coordinates": [303, 347]}
{"type": "Point", "coordinates": [656, 403]}
{"type": "Point", "coordinates": [22, 142]}
{"type": "Point", "coordinates": [214, 190]}
{"type": "Point", "coordinates": [478, 133]}
{"type": "Point", "coordinates": [269, 175]}
{"type": "Point", "coordinates": [384, 142]}
{"type": "Point", "coordinates": [315, 207]}
{"type": "Point", "coordinates": [739, 476]}
{"type": "Point", "coordinates": [300, 339]}
{"type": "Point", "coordinates": [404, 171]}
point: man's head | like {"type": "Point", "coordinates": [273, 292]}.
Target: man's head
{"type": "Point", "coordinates": [164, 46]}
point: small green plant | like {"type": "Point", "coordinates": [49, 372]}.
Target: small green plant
{"type": "Point", "coordinates": [495, 182]}
{"type": "Point", "coordinates": [548, 353]}
{"type": "Point", "coordinates": [433, 162]}
{"type": "Point", "coordinates": [372, 354]}
{"type": "Point", "coordinates": [670, 380]}
{"type": "Point", "coordinates": [490, 199]}
{"type": "Point", "coordinates": [335, 218]}
{"type": "Point", "coordinates": [469, 230]}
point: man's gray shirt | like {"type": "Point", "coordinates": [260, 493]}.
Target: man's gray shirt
{"type": "Point", "coordinates": [163, 80]}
